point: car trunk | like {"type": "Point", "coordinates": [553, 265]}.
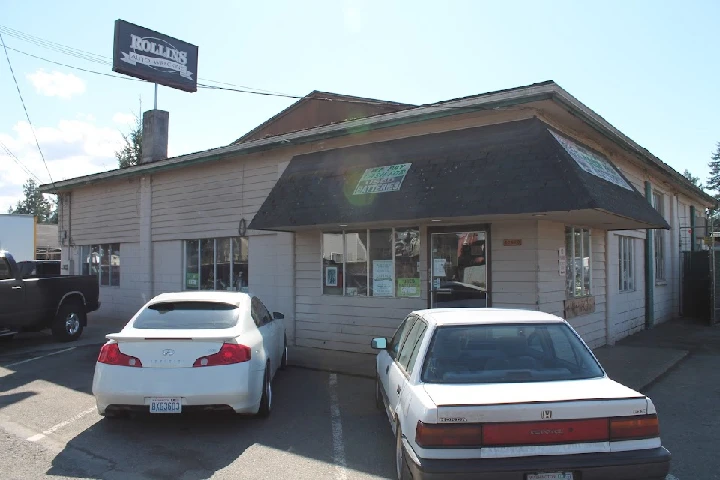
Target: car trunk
{"type": "Point", "coordinates": [538, 413]}
{"type": "Point", "coordinates": [169, 348]}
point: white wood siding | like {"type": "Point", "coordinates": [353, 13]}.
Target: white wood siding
{"type": "Point", "coordinates": [343, 323]}
{"type": "Point", "coordinates": [107, 213]}
{"type": "Point", "coordinates": [513, 270]}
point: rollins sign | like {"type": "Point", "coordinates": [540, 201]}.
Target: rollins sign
{"type": "Point", "coordinates": [154, 57]}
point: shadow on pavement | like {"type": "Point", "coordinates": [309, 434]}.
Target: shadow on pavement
{"type": "Point", "coordinates": [197, 446]}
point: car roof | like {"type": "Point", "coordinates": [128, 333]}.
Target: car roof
{"type": "Point", "coordinates": [233, 298]}
{"type": "Point", "coordinates": [484, 316]}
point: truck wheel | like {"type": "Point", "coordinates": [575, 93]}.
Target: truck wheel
{"type": "Point", "coordinates": [69, 322]}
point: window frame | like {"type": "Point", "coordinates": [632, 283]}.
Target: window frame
{"type": "Point", "coordinates": [570, 259]}
{"type": "Point", "coordinates": [368, 233]}
{"type": "Point", "coordinates": [216, 242]}
{"type": "Point", "coordinates": [86, 251]}
{"type": "Point", "coordinates": [626, 248]}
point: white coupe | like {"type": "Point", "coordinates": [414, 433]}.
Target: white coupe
{"type": "Point", "coordinates": [510, 395]}
{"type": "Point", "coordinates": [192, 351]}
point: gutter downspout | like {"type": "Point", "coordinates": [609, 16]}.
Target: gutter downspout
{"type": "Point", "coordinates": [609, 334]}
{"type": "Point", "coordinates": [649, 268]}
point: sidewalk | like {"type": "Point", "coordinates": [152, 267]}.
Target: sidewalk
{"type": "Point", "coordinates": [636, 361]}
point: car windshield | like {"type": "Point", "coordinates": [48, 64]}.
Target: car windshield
{"type": "Point", "coordinates": [509, 353]}
{"type": "Point", "coordinates": [187, 315]}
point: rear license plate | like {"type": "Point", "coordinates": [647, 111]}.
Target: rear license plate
{"type": "Point", "coordinates": [550, 476]}
{"type": "Point", "coordinates": [165, 405]}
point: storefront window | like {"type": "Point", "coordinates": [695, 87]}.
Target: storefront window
{"type": "Point", "coordinates": [382, 273]}
{"type": "Point", "coordinates": [407, 262]}
{"type": "Point", "coordinates": [216, 264]}
{"type": "Point", "coordinates": [356, 263]}
{"type": "Point", "coordinates": [579, 264]}
{"type": "Point", "coordinates": [378, 263]}
{"type": "Point", "coordinates": [103, 261]}
{"type": "Point", "coordinates": [333, 262]}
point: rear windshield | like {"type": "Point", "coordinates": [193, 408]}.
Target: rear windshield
{"type": "Point", "coordinates": [507, 353]}
{"type": "Point", "coordinates": [187, 315]}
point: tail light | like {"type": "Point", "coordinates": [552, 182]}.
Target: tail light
{"type": "Point", "coordinates": [229, 354]}
{"type": "Point", "coordinates": [110, 354]}
{"type": "Point", "coordinates": [645, 426]}
{"type": "Point", "coordinates": [448, 435]}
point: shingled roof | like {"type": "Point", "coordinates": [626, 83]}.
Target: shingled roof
{"type": "Point", "coordinates": [518, 167]}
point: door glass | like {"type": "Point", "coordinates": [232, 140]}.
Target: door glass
{"type": "Point", "coordinates": [399, 335]}
{"type": "Point", "coordinates": [459, 273]}
{"type": "Point", "coordinates": [411, 343]}
{"type": "Point", "coordinates": [4, 269]}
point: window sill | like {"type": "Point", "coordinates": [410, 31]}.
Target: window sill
{"type": "Point", "coordinates": [627, 291]}
{"type": "Point", "coordinates": [661, 283]}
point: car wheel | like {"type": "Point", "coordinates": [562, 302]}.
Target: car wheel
{"type": "Point", "coordinates": [266, 399]}
{"type": "Point", "coordinates": [69, 322]}
{"type": "Point", "coordinates": [378, 395]}
{"type": "Point", "coordinates": [401, 467]}
{"type": "Point", "coordinates": [284, 359]}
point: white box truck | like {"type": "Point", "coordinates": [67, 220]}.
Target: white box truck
{"type": "Point", "coordinates": [18, 235]}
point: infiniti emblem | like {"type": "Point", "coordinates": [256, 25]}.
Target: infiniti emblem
{"type": "Point", "coordinates": [168, 352]}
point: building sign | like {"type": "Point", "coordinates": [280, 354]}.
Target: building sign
{"type": "Point", "coordinates": [512, 242]}
{"type": "Point", "coordinates": [382, 179]}
{"type": "Point", "coordinates": [577, 307]}
{"type": "Point", "coordinates": [383, 278]}
{"type": "Point", "coordinates": [152, 56]}
{"type": "Point", "coordinates": [408, 287]}
{"type": "Point", "coordinates": [592, 163]}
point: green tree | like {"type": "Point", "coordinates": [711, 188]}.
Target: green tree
{"type": "Point", "coordinates": [131, 152]}
{"type": "Point", "coordinates": [35, 203]}
{"type": "Point", "coordinates": [713, 182]}
{"type": "Point", "coordinates": [695, 180]}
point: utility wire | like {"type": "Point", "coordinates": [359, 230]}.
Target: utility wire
{"type": "Point", "coordinates": [27, 115]}
{"type": "Point", "coordinates": [17, 160]}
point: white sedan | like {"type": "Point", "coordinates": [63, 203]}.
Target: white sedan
{"type": "Point", "coordinates": [510, 395]}
{"type": "Point", "coordinates": [192, 351]}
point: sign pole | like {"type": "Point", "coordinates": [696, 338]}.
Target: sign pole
{"type": "Point", "coordinates": [155, 107]}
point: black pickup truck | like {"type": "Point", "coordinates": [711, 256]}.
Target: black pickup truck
{"type": "Point", "coordinates": [36, 302]}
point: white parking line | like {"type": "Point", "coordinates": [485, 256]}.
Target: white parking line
{"type": "Point", "coordinates": [38, 358]}
{"type": "Point", "coordinates": [337, 435]}
{"type": "Point", "coordinates": [60, 425]}
{"type": "Point", "coordinates": [671, 477]}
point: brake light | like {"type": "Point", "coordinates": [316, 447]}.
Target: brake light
{"type": "Point", "coordinates": [110, 354]}
{"type": "Point", "coordinates": [645, 426]}
{"type": "Point", "coordinates": [448, 435]}
{"type": "Point", "coordinates": [229, 354]}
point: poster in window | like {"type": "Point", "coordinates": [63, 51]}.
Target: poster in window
{"type": "Point", "coordinates": [331, 276]}
{"type": "Point", "coordinates": [408, 287]}
{"type": "Point", "coordinates": [191, 280]}
{"type": "Point", "coordinates": [383, 278]}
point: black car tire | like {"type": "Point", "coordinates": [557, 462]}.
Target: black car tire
{"type": "Point", "coordinates": [284, 359]}
{"type": "Point", "coordinates": [69, 322]}
{"type": "Point", "coordinates": [401, 466]}
{"type": "Point", "coordinates": [266, 398]}
{"type": "Point", "coordinates": [379, 403]}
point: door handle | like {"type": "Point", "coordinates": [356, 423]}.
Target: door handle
{"type": "Point", "coordinates": [17, 287]}
{"type": "Point", "coordinates": [398, 390]}
{"type": "Point", "coordinates": [387, 369]}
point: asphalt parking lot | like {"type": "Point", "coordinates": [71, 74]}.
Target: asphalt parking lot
{"type": "Point", "coordinates": [322, 426]}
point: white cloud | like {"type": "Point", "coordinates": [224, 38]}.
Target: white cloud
{"type": "Point", "coordinates": [72, 148]}
{"type": "Point", "coordinates": [124, 118]}
{"type": "Point", "coordinates": [56, 84]}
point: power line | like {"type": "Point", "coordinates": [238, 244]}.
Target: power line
{"type": "Point", "coordinates": [17, 160]}
{"type": "Point", "coordinates": [27, 115]}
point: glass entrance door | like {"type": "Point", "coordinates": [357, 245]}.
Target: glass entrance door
{"type": "Point", "coordinates": [458, 270]}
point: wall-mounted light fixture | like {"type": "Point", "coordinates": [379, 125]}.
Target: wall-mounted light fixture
{"type": "Point", "coordinates": [242, 228]}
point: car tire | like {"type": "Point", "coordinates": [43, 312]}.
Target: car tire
{"type": "Point", "coordinates": [69, 322]}
{"type": "Point", "coordinates": [401, 466]}
{"type": "Point", "coordinates": [266, 398]}
{"type": "Point", "coordinates": [284, 359]}
{"type": "Point", "coordinates": [379, 403]}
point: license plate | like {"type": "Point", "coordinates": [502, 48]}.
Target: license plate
{"type": "Point", "coordinates": [165, 405]}
{"type": "Point", "coordinates": [550, 476]}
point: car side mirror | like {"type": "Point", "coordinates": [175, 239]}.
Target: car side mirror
{"type": "Point", "coordinates": [278, 316]}
{"type": "Point", "coordinates": [379, 343]}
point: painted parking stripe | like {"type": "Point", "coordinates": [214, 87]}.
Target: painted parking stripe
{"type": "Point", "coordinates": [38, 358]}
{"type": "Point", "coordinates": [337, 435]}
{"type": "Point", "coordinates": [60, 425]}
{"type": "Point", "coordinates": [671, 477]}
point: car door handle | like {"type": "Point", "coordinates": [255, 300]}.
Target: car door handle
{"type": "Point", "coordinates": [387, 369]}
{"type": "Point", "coordinates": [398, 389]}
{"type": "Point", "coordinates": [17, 287]}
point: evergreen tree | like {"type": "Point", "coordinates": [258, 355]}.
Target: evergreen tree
{"type": "Point", "coordinates": [36, 204]}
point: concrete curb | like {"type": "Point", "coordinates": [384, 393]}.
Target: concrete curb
{"type": "Point", "coordinates": [669, 369]}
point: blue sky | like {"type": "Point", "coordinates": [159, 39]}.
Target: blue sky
{"type": "Point", "coordinates": [649, 67]}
